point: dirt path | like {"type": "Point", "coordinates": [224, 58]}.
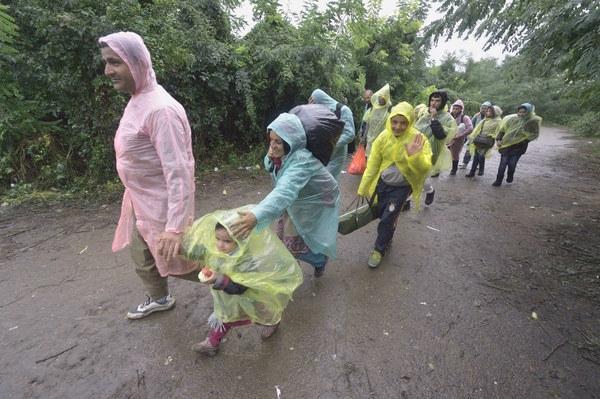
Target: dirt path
{"type": "Point", "coordinates": [447, 315]}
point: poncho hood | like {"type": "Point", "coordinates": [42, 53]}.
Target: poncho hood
{"type": "Point", "coordinates": [289, 128]}
{"type": "Point", "coordinates": [132, 50]}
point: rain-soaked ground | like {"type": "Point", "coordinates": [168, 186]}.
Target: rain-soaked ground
{"type": "Point", "coordinates": [490, 293]}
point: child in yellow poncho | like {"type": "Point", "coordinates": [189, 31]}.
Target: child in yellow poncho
{"type": "Point", "coordinates": [399, 163]}
{"type": "Point", "coordinates": [252, 279]}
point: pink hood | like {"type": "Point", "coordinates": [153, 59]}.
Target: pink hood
{"type": "Point", "coordinates": [131, 48]}
{"type": "Point", "coordinates": [460, 104]}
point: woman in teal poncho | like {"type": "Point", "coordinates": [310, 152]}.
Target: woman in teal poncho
{"type": "Point", "coordinates": [516, 131]}
{"type": "Point", "coordinates": [305, 197]}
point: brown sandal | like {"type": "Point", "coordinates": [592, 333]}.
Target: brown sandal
{"type": "Point", "coordinates": [268, 331]}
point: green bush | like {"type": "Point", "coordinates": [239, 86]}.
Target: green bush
{"type": "Point", "coordinates": [588, 124]}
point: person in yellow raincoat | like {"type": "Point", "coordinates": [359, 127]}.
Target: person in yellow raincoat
{"type": "Point", "coordinates": [516, 131]}
{"type": "Point", "coordinates": [399, 163]}
{"type": "Point", "coordinates": [439, 127]}
{"type": "Point", "coordinates": [381, 102]}
{"type": "Point", "coordinates": [252, 279]}
{"type": "Point", "coordinates": [487, 128]}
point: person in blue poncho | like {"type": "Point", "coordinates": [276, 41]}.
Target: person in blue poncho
{"type": "Point", "coordinates": [336, 164]}
{"type": "Point", "coordinates": [305, 197]}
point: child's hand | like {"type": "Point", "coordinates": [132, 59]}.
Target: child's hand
{"type": "Point", "coordinates": [416, 145]}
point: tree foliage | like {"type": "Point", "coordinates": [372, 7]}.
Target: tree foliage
{"type": "Point", "coordinates": [58, 121]}
{"type": "Point", "coordinates": [561, 35]}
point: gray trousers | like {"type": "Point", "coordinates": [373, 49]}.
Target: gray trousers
{"type": "Point", "coordinates": [156, 285]}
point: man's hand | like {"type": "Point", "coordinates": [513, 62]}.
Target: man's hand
{"type": "Point", "coordinates": [169, 245]}
{"type": "Point", "coordinates": [416, 145]}
{"type": "Point", "coordinates": [242, 227]}
{"type": "Point", "coordinates": [433, 112]}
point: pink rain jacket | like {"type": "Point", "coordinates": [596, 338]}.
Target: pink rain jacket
{"type": "Point", "coordinates": [153, 146]}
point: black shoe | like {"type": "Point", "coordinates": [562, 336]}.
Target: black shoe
{"type": "Point", "coordinates": [480, 173]}
{"type": "Point", "coordinates": [429, 198]}
{"type": "Point", "coordinates": [470, 174]}
{"type": "Point", "coordinates": [453, 172]}
{"type": "Point", "coordinates": [319, 271]}
{"type": "Point", "coordinates": [405, 207]}
{"type": "Point", "coordinates": [436, 175]}
{"type": "Point", "coordinates": [509, 179]}
{"type": "Point", "coordinates": [497, 183]}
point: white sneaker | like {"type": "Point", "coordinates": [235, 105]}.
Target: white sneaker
{"type": "Point", "coordinates": [150, 306]}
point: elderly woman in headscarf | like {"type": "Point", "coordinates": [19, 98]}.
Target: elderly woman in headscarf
{"type": "Point", "coordinates": [488, 129]}
{"type": "Point", "coordinates": [336, 163]}
{"type": "Point", "coordinates": [153, 147]}
{"type": "Point", "coordinates": [381, 103]}
{"type": "Point", "coordinates": [439, 127]}
{"type": "Point", "coordinates": [516, 131]}
{"type": "Point", "coordinates": [465, 127]}
{"type": "Point", "coordinates": [305, 197]}
{"type": "Point", "coordinates": [399, 163]}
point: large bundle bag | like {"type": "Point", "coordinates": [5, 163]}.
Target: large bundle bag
{"type": "Point", "coordinates": [323, 129]}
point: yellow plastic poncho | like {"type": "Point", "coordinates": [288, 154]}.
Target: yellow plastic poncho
{"type": "Point", "coordinates": [378, 115]}
{"type": "Point", "coordinates": [515, 129]}
{"type": "Point", "coordinates": [420, 111]}
{"type": "Point", "coordinates": [261, 263]}
{"type": "Point", "coordinates": [389, 149]}
{"type": "Point", "coordinates": [487, 127]}
{"type": "Point", "coordinates": [441, 157]}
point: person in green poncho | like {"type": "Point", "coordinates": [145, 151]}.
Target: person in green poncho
{"type": "Point", "coordinates": [252, 279]}
{"type": "Point", "coordinates": [439, 127]}
{"type": "Point", "coordinates": [486, 128]}
{"type": "Point", "coordinates": [399, 163]}
{"type": "Point", "coordinates": [381, 102]}
{"type": "Point", "coordinates": [516, 131]}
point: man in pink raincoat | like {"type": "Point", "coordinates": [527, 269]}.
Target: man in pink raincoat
{"type": "Point", "coordinates": [156, 165]}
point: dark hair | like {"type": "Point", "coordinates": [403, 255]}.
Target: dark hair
{"type": "Point", "coordinates": [286, 146]}
{"type": "Point", "coordinates": [219, 226]}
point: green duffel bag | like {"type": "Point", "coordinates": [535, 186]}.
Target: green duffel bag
{"type": "Point", "coordinates": [362, 214]}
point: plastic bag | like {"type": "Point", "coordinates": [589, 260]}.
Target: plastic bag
{"type": "Point", "coordinates": [359, 161]}
{"type": "Point", "coordinates": [261, 263]}
{"type": "Point", "coordinates": [322, 127]}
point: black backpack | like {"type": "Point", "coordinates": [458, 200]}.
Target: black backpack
{"type": "Point", "coordinates": [323, 128]}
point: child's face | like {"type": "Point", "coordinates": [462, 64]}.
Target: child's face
{"type": "Point", "coordinates": [399, 125]}
{"type": "Point", "coordinates": [225, 243]}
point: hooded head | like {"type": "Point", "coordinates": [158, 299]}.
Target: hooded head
{"type": "Point", "coordinates": [459, 106]}
{"type": "Point", "coordinates": [441, 94]}
{"type": "Point", "coordinates": [383, 93]}
{"type": "Point", "coordinates": [320, 97]}
{"type": "Point", "coordinates": [527, 107]}
{"type": "Point", "coordinates": [291, 131]}
{"type": "Point", "coordinates": [130, 47]}
{"type": "Point", "coordinates": [484, 105]}
{"type": "Point", "coordinates": [405, 110]}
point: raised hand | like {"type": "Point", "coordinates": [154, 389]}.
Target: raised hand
{"type": "Point", "coordinates": [416, 145]}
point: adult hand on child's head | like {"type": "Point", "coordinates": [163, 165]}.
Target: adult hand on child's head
{"type": "Point", "coordinates": [169, 245]}
{"type": "Point", "coordinates": [416, 145]}
{"type": "Point", "coordinates": [242, 227]}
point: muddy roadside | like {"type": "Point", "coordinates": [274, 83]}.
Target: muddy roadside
{"type": "Point", "coordinates": [491, 292]}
